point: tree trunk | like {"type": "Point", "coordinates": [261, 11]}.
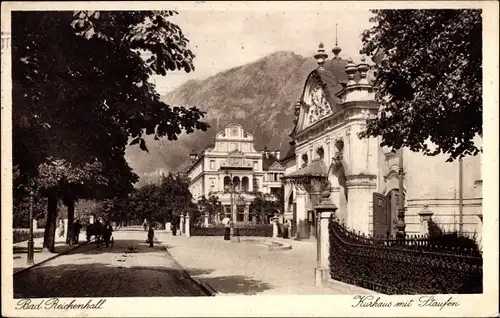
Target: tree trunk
{"type": "Point", "coordinates": [51, 224]}
{"type": "Point", "coordinates": [71, 218]}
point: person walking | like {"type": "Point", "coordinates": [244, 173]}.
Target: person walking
{"type": "Point", "coordinates": [151, 235]}
{"type": "Point", "coordinates": [227, 228]}
{"type": "Point", "coordinates": [76, 231]}
{"type": "Point", "coordinates": [286, 229]}
{"type": "Point", "coordinates": [145, 225]}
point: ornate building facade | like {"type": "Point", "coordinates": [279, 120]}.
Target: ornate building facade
{"type": "Point", "coordinates": [337, 100]}
{"type": "Point", "coordinates": [235, 172]}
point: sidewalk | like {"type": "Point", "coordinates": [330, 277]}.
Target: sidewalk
{"type": "Point", "coordinates": [20, 251]}
{"type": "Point", "coordinates": [247, 268]}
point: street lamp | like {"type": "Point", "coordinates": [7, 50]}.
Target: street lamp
{"type": "Point", "coordinates": [232, 207]}
{"type": "Point", "coordinates": [401, 206]}
{"type": "Point", "coordinates": [31, 243]}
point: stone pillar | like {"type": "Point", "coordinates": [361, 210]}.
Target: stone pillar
{"type": "Point", "coordinates": [206, 219]}
{"type": "Point", "coordinates": [181, 227]}
{"type": "Point", "coordinates": [235, 213]}
{"type": "Point", "coordinates": [35, 224]}
{"type": "Point", "coordinates": [425, 217]}
{"type": "Point", "coordinates": [65, 224]}
{"type": "Point", "coordinates": [274, 221]}
{"type": "Point", "coordinates": [323, 212]}
{"type": "Point", "coordinates": [360, 190]}
{"type": "Point", "coordinates": [167, 227]}
{"type": "Point", "coordinates": [246, 213]}
{"type": "Point", "coordinates": [301, 215]}
{"type": "Point", "coordinates": [188, 226]}
{"type": "Point", "coordinates": [217, 218]}
{"type": "Point", "coordinates": [91, 219]}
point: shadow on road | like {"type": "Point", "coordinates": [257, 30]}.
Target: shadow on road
{"type": "Point", "coordinates": [232, 284]}
{"type": "Point", "coordinates": [101, 280]}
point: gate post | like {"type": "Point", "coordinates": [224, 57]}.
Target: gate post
{"type": "Point", "coordinates": [181, 225]}
{"type": "Point", "coordinates": [323, 212]}
{"type": "Point", "coordinates": [188, 226]}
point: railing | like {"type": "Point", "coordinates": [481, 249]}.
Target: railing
{"type": "Point", "coordinates": [414, 265]}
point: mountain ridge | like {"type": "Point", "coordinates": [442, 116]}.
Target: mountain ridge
{"type": "Point", "coordinates": [260, 96]}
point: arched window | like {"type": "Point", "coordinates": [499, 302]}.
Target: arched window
{"type": "Point", "coordinates": [227, 184]}
{"type": "Point", "coordinates": [305, 160]}
{"type": "Point", "coordinates": [320, 152]}
{"type": "Point", "coordinates": [236, 184]}
{"type": "Point", "coordinates": [244, 184]}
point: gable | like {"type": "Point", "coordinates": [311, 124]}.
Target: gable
{"type": "Point", "coordinates": [315, 103]}
{"type": "Point", "coordinates": [276, 166]}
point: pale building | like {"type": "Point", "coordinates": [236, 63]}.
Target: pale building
{"type": "Point", "coordinates": [233, 162]}
{"type": "Point", "coordinates": [337, 100]}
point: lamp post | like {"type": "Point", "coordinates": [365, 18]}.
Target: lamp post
{"type": "Point", "coordinates": [401, 206]}
{"type": "Point", "coordinates": [31, 243]}
{"type": "Point", "coordinates": [232, 207]}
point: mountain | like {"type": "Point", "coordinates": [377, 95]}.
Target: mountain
{"type": "Point", "coordinates": [260, 96]}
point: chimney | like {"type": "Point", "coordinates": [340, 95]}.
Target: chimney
{"type": "Point", "coordinates": [266, 152]}
{"type": "Point", "coordinates": [277, 154]}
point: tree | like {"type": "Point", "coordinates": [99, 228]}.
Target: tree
{"type": "Point", "coordinates": [429, 80]}
{"type": "Point", "coordinates": [210, 206]}
{"type": "Point", "coordinates": [263, 205]}
{"type": "Point", "coordinates": [81, 91]}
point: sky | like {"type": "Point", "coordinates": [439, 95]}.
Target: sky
{"type": "Point", "coordinates": [226, 38]}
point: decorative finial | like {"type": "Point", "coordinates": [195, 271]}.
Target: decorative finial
{"type": "Point", "coordinates": [321, 55]}
{"type": "Point", "coordinates": [351, 69]}
{"type": "Point", "coordinates": [363, 68]}
{"type": "Point", "coordinates": [336, 50]}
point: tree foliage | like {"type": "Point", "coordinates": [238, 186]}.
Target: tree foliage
{"type": "Point", "coordinates": [161, 201]}
{"type": "Point", "coordinates": [429, 79]}
{"type": "Point", "coordinates": [210, 206]}
{"type": "Point", "coordinates": [81, 92]}
{"type": "Point", "coordinates": [263, 205]}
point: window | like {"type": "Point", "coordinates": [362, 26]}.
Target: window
{"type": "Point", "coordinates": [212, 164]}
{"type": "Point", "coordinates": [234, 146]}
{"type": "Point", "coordinates": [255, 165]}
{"type": "Point", "coordinates": [240, 217]}
{"type": "Point", "coordinates": [320, 152]}
{"type": "Point", "coordinates": [234, 132]}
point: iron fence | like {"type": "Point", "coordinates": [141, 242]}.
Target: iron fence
{"type": "Point", "coordinates": [413, 265]}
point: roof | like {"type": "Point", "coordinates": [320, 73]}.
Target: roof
{"type": "Point", "coordinates": [316, 168]}
{"type": "Point", "coordinates": [290, 153]}
{"type": "Point", "coordinates": [267, 161]}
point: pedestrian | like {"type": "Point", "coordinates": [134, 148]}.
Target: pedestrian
{"type": "Point", "coordinates": [107, 233]}
{"type": "Point", "coordinates": [227, 228]}
{"type": "Point", "coordinates": [76, 231]}
{"type": "Point", "coordinates": [151, 235]}
{"type": "Point", "coordinates": [61, 228]}
{"type": "Point", "coordinates": [173, 227]}
{"type": "Point", "coordinates": [145, 225]}
{"type": "Point", "coordinates": [286, 229]}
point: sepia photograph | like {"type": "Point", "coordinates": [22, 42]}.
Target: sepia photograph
{"type": "Point", "coordinates": [169, 156]}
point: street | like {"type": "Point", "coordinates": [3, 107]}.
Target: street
{"type": "Point", "coordinates": [130, 269]}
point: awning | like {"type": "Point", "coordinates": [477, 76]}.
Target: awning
{"type": "Point", "coordinates": [315, 169]}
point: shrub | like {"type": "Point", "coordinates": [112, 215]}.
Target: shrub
{"type": "Point", "coordinates": [441, 237]}
{"type": "Point", "coordinates": [20, 235]}
{"type": "Point", "coordinates": [239, 230]}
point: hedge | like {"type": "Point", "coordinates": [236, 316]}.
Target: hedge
{"type": "Point", "coordinates": [242, 230]}
{"type": "Point", "coordinates": [20, 235]}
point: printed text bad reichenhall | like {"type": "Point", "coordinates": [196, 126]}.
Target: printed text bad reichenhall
{"type": "Point", "coordinates": [57, 304]}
